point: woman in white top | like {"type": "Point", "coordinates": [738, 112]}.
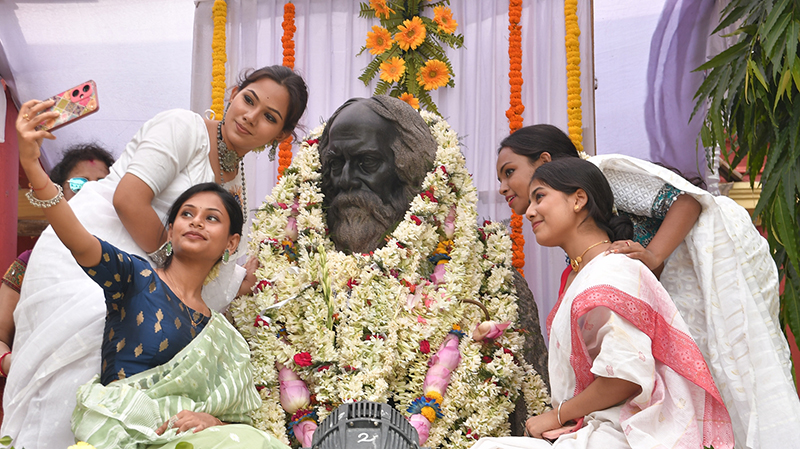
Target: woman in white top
{"type": "Point", "coordinates": [60, 315]}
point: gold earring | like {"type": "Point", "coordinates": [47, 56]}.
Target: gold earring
{"type": "Point", "coordinates": [577, 208]}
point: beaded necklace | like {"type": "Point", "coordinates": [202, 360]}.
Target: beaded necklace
{"type": "Point", "coordinates": [228, 159]}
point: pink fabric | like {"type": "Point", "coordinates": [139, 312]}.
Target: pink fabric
{"type": "Point", "coordinates": [671, 347]}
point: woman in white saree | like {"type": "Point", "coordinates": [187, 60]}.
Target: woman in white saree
{"type": "Point", "coordinates": [625, 373]}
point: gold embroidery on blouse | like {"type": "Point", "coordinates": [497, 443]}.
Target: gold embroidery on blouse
{"type": "Point", "coordinates": [140, 318]}
{"type": "Point", "coordinates": [117, 277]}
{"type": "Point", "coordinates": [119, 256]}
{"type": "Point", "coordinates": [111, 334]}
{"type": "Point", "coordinates": [157, 327]}
{"type": "Point", "coordinates": [115, 307]}
{"type": "Point", "coordinates": [92, 272]}
{"type": "Point", "coordinates": [116, 295]}
{"type": "Point", "coordinates": [146, 272]}
{"type": "Point", "coordinates": [164, 344]}
{"type": "Point", "coordinates": [105, 364]}
{"type": "Point", "coordinates": [192, 332]}
{"type": "Point", "coordinates": [107, 283]}
{"type": "Point", "coordinates": [129, 278]}
{"type": "Point", "coordinates": [177, 323]}
{"type": "Point", "coordinates": [152, 287]}
{"type": "Point", "coordinates": [120, 345]}
{"type": "Point", "coordinates": [159, 316]}
{"type": "Point", "coordinates": [122, 314]}
{"type": "Point", "coordinates": [106, 258]}
{"type": "Point", "coordinates": [121, 373]}
{"type": "Point", "coordinates": [138, 351]}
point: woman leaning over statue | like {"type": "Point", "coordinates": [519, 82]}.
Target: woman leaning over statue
{"type": "Point", "coordinates": [60, 315]}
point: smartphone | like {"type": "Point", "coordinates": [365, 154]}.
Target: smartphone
{"type": "Point", "coordinates": [72, 104]}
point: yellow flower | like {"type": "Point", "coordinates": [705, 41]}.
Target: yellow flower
{"type": "Point", "coordinates": [81, 445]}
{"type": "Point", "coordinates": [435, 396]}
{"type": "Point", "coordinates": [429, 413]}
{"type": "Point", "coordinates": [380, 8]}
{"type": "Point", "coordinates": [410, 99]}
{"type": "Point", "coordinates": [411, 34]}
{"type": "Point", "coordinates": [393, 69]}
{"type": "Point", "coordinates": [378, 40]}
{"type": "Point", "coordinates": [433, 75]}
{"type": "Point", "coordinates": [443, 17]}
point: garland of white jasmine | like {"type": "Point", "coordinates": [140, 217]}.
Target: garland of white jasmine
{"type": "Point", "coordinates": [365, 326]}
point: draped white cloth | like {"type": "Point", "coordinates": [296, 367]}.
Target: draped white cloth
{"type": "Point", "coordinates": [329, 34]}
{"type": "Point", "coordinates": [725, 285]}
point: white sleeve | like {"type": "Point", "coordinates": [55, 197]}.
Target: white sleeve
{"type": "Point", "coordinates": [164, 146]}
{"type": "Point", "coordinates": [618, 349]}
{"type": "Point", "coordinates": [219, 293]}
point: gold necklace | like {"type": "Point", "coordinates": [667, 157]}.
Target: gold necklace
{"type": "Point", "coordinates": [576, 262]}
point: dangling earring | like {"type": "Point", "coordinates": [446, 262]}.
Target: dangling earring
{"type": "Point", "coordinates": [168, 249]}
{"type": "Point", "coordinates": [226, 256]}
{"type": "Point", "coordinates": [272, 150]}
{"type": "Point", "coordinates": [224, 113]}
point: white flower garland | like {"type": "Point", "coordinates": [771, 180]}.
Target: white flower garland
{"type": "Point", "coordinates": [383, 305]}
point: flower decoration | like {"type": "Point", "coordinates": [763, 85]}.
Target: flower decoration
{"type": "Point", "coordinates": [364, 326]}
{"type": "Point", "coordinates": [393, 69]}
{"type": "Point", "coordinates": [378, 40]}
{"type": "Point", "coordinates": [573, 32]}
{"type": "Point", "coordinates": [380, 8]}
{"type": "Point", "coordinates": [410, 99]}
{"type": "Point", "coordinates": [433, 75]}
{"type": "Point", "coordinates": [443, 17]}
{"type": "Point", "coordinates": [285, 148]}
{"type": "Point", "coordinates": [218, 57]}
{"type": "Point", "coordinates": [514, 114]}
{"type": "Point", "coordinates": [411, 34]}
{"type": "Point", "coordinates": [406, 33]}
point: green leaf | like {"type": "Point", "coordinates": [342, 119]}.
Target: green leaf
{"type": "Point", "coordinates": [775, 35]}
{"type": "Point", "coordinates": [757, 72]}
{"type": "Point", "coordinates": [785, 79]}
{"type": "Point", "coordinates": [792, 35]}
{"type": "Point", "coordinates": [736, 51]}
{"type": "Point", "coordinates": [184, 445]}
{"type": "Point", "coordinates": [730, 19]}
{"type": "Point", "coordinates": [785, 228]}
{"type": "Point", "coordinates": [6, 440]}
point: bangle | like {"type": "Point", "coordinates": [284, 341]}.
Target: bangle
{"type": "Point", "coordinates": [44, 204]}
{"type": "Point", "coordinates": [160, 255]}
{"type": "Point", "coordinates": [558, 413]}
{"type": "Point", "coordinates": [2, 357]}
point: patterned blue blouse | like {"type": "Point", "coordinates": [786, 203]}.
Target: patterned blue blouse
{"type": "Point", "coordinates": [645, 228]}
{"type": "Point", "coordinates": [146, 323]}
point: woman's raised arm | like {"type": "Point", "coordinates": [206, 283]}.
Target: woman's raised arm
{"type": "Point", "coordinates": [44, 193]}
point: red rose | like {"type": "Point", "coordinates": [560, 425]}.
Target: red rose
{"type": "Point", "coordinates": [312, 141]}
{"type": "Point", "coordinates": [416, 220]}
{"type": "Point", "coordinates": [302, 359]}
{"type": "Point", "coordinates": [484, 359]}
{"type": "Point", "coordinates": [323, 368]}
{"type": "Point", "coordinates": [424, 347]}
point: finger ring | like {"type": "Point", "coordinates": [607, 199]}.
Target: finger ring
{"type": "Point", "coordinates": [172, 421]}
{"type": "Point", "coordinates": [26, 116]}
{"type": "Point", "coordinates": [628, 243]}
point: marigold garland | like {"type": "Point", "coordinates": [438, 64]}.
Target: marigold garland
{"type": "Point", "coordinates": [573, 32]}
{"type": "Point", "coordinates": [514, 114]}
{"type": "Point", "coordinates": [218, 57]}
{"type": "Point", "coordinates": [285, 149]}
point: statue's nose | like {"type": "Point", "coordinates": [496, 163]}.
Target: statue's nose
{"type": "Point", "coordinates": [348, 180]}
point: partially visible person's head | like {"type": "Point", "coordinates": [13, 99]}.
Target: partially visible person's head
{"type": "Point", "coordinates": [566, 177]}
{"type": "Point", "coordinates": [521, 153]}
{"type": "Point", "coordinates": [209, 211]}
{"type": "Point", "coordinates": [374, 153]}
{"type": "Point", "coordinates": [79, 164]}
{"type": "Point", "coordinates": [294, 85]}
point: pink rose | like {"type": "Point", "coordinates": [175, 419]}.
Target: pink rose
{"type": "Point", "coordinates": [296, 207]}
{"type": "Point", "coordinates": [285, 374]}
{"type": "Point", "coordinates": [489, 329]}
{"type": "Point", "coordinates": [291, 228]}
{"type": "Point", "coordinates": [294, 395]}
{"type": "Point", "coordinates": [422, 425]}
{"type": "Point", "coordinates": [450, 224]}
{"type": "Point", "coordinates": [304, 431]}
{"type": "Point", "coordinates": [437, 277]}
{"type": "Point", "coordinates": [448, 355]}
{"type": "Point", "coordinates": [437, 379]}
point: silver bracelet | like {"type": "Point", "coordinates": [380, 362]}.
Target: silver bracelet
{"type": "Point", "coordinates": [159, 256]}
{"type": "Point", "coordinates": [44, 204]}
{"type": "Point", "coordinates": [558, 413]}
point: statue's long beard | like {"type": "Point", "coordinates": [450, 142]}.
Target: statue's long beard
{"type": "Point", "coordinates": [358, 220]}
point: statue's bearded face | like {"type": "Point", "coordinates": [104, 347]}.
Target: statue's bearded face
{"type": "Point", "coordinates": [363, 192]}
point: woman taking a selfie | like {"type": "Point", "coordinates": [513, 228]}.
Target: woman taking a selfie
{"type": "Point", "coordinates": [61, 312]}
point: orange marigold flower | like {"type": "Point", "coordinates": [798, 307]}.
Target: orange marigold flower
{"type": "Point", "coordinates": [411, 34]}
{"type": "Point", "coordinates": [433, 75]}
{"type": "Point", "coordinates": [378, 40]}
{"type": "Point", "coordinates": [379, 6]}
{"type": "Point", "coordinates": [410, 99]}
{"type": "Point", "coordinates": [443, 17]}
{"type": "Point", "coordinates": [393, 69]}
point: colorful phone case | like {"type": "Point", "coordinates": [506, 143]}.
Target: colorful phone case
{"type": "Point", "coordinates": [72, 104]}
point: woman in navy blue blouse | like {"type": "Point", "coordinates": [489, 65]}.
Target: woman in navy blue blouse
{"type": "Point", "coordinates": [169, 364]}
